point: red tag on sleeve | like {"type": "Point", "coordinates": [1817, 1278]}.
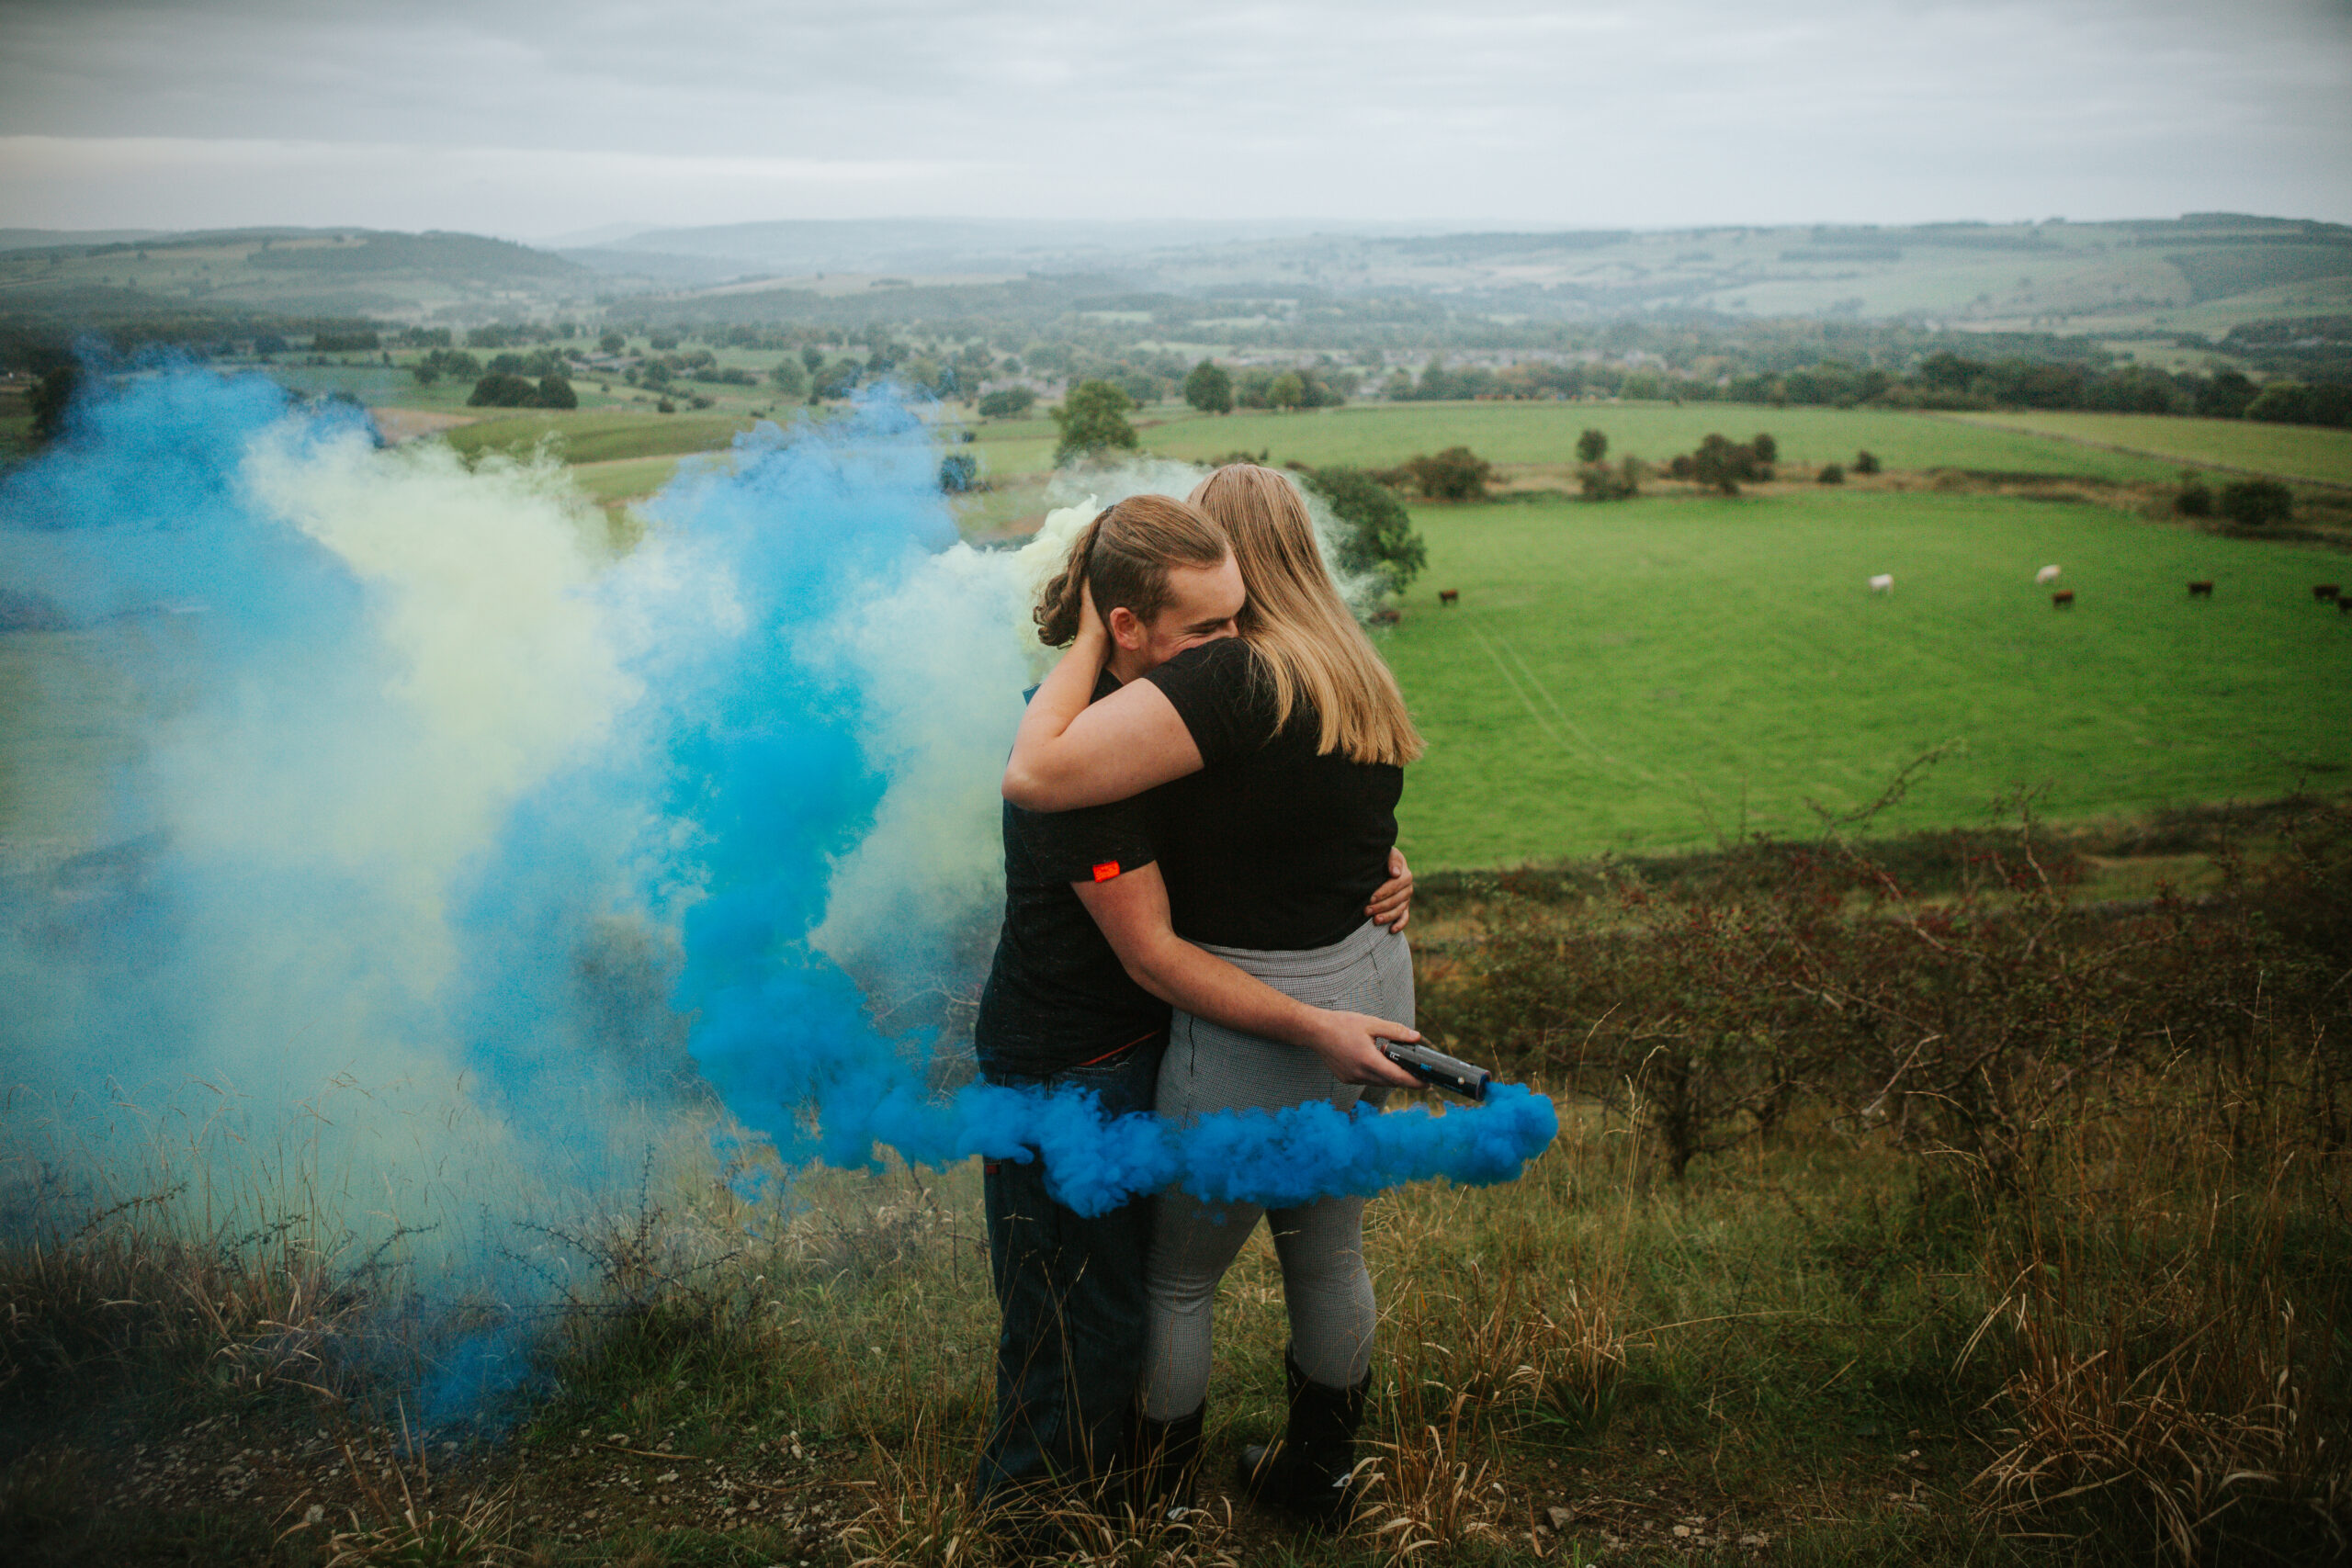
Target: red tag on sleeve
{"type": "Point", "coordinates": [1106, 871]}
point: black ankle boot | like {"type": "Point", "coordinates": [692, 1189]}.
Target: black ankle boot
{"type": "Point", "coordinates": [1311, 1471]}
{"type": "Point", "coordinates": [1167, 1458]}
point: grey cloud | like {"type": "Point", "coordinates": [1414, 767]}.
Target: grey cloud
{"type": "Point", "coordinates": [1679, 110]}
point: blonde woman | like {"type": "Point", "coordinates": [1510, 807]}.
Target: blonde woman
{"type": "Point", "coordinates": [1277, 759]}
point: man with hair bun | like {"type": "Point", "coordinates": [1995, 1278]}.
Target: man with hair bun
{"type": "Point", "coordinates": [1276, 757]}
{"type": "Point", "coordinates": [1063, 1008]}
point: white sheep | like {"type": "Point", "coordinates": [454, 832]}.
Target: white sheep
{"type": "Point", "coordinates": [1883, 583]}
{"type": "Point", "coordinates": [2045, 576]}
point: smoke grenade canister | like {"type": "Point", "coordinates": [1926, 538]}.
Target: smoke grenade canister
{"type": "Point", "coordinates": [1435, 1068]}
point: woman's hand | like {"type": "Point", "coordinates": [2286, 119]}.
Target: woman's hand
{"type": "Point", "coordinates": [1348, 1044]}
{"type": "Point", "coordinates": [1392, 901]}
{"type": "Point", "coordinates": [1094, 639]}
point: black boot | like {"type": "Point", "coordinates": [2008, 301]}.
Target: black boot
{"type": "Point", "coordinates": [1311, 1471]}
{"type": "Point", "coordinates": [1167, 1458]}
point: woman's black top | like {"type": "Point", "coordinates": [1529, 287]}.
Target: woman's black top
{"type": "Point", "coordinates": [1271, 845]}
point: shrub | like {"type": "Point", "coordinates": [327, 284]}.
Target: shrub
{"type": "Point", "coordinates": [1602, 482]}
{"type": "Point", "coordinates": [2194, 499]}
{"type": "Point", "coordinates": [1721, 464]}
{"type": "Point", "coordinates": [1007, 402]}
{"type": "Point", "coordinates": [666, 406]}
{"type": "Point", "coordinates": [1092, 420]}
{"type": "Point", "coordinates": [1455, 474]}
{"type": "Point", "coordinates": [555, 392]}
{"type": "Point", "coordinates": [1865, 463]}
{"type": "Point", "coordinates": [838, 379]}
{"type": "Point", "coordinates": [1592, 446]}
{"type": "Point", "coordinates": [1209, 388]}
{"type": "Point", "coordinates": [1380, 538]}
{"type": "Point", "coordinates": [454, 363]}
{"type": "Point", "coordinates": [1766, 449]}
{"type": "Point", "coordinates": [959, 472]}
{"type": "Point", "coordinates": [2257, 503]}
{"type": "Point", "coordinates": [790, 377]}
{"type": "Point", "coordinates": [503, 390]}
{"type": "Point", "coordinates": [1831, 474]}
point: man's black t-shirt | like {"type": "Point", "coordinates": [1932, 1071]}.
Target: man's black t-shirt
{"type": "Point", "coordinates": [1271, 845]}
{"type": "Point", "coordinates": [1057, 996]}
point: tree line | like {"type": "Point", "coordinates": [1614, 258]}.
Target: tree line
{"type": "Point", "coordinates": [1941, 380]}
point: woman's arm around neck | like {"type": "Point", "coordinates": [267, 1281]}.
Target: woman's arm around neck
{"type": "Point", "coordinates": [1069, 753]}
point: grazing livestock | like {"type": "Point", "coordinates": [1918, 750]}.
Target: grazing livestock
{"type": "Point", "coordinates": [2201, 590]}
{"type": "Point", "coordinates": [1387, 615]}
{"type": "Point", "coordinates": [2063, 599]}
{"type": "Point", "coordinates": [2045, 576]}
{"type": "Point", "coordinates": [2345, 603]}
{"type": "Point", "coordinates": [1883, 583]}
{"type": "Point", "coordinates": [1448, 595]}
{"type": "Point", "coordinates": [2328, 591]}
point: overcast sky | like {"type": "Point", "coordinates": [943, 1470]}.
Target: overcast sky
{"type": "Point", "coordinates": [531, 119]}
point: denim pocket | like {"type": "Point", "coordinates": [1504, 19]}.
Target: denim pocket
{"type": "Point", "coordinates": [1126, 1082]}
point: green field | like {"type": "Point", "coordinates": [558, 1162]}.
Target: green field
{"type": "Point", "coordinates": [1381, 435]}
{"type": "Point", "coordinates": [1661, 672]}
{"type": "Point", "coordinates": [1011, 447]}
{"type": "Point", "coordinates": [601, 436]}
{"type": "Point", "coordinates": [2291, 451]}
{"type": "Point", "coordinates": [67, 713]}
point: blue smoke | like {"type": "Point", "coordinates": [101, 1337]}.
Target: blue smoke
{"type": "Point", "coordinates": [420, 801]}
{"type": "Point", "coordinates": [769, 753]}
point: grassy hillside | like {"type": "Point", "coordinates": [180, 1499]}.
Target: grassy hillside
{"type": "Point", "coordinates": [1384, 433]}
{"type": "Point", "coordinates": [1667, 671]}
{"type": "Point", "coordinates": [2292, 451]}
{"type": "Point", "coordinates": [295, 272]}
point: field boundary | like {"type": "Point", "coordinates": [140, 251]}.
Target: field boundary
{"type": "Point", "coordinates": [2134, 451]}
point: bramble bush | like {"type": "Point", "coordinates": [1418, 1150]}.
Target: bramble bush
{"type": "Point", "coordinates": [1967, 1023]}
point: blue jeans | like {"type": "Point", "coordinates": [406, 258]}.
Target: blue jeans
{"type": "Point", "coordinates": [1071, 1290]}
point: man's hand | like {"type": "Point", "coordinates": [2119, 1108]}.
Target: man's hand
{"type": "Point", "coordinates": [1392, 901]}
{"type": "Point", "coordinates": [1348, 1044]}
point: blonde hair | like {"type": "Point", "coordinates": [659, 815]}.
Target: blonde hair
{"type": "Point", "coordinates": [1124, 555]}
{"type": "Point", "coordinates": [1309, 647]}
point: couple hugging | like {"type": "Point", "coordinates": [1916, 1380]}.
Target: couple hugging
{"type": "Point", "coordinates": [1203, 911]}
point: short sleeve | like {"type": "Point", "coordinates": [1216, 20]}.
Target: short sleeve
{"type": "Point", "coordinates": [1215, 690]}
{"type": "Point", "coordinates": [1093, 844]}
